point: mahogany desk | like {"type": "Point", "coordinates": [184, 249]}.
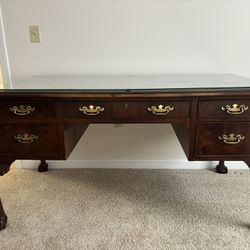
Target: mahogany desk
{"type": "Point", "coordinates": [43, 118]}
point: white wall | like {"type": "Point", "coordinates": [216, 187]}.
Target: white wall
{"type": "Point", "coordinates": [128, 36]}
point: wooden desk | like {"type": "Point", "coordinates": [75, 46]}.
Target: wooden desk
{"type": "Point", "coordinates": [210, 115]}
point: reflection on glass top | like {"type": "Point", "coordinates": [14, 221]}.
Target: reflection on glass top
{"type": "Point", "coordinates": [136, 82]}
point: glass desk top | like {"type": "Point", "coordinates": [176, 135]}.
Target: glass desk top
{"type": "Point", "coordinates": [115, 83]}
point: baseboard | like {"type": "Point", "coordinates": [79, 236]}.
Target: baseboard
{"type": "Point", "coordinates": [134, 164]}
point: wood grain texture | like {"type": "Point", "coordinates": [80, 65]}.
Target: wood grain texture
{"type": "Point", "coordinates": [213, 108]}
{"type": "Point", "coordinates": [208, 142]}
{"type": "Point", "coordinates": [127, 109]}
{"type": "Point", "coordinates": [72, 134]}
{"type": "Point", "coordinates": [46, 142]}
{"type": "Point", "coordinates": [43, 109]}
{"type": "Point", "coordinates": [183, 135]}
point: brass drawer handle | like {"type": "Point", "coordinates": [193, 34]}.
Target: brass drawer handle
{"type": "Point", "coordinates": [26, 138]}
{"type": "Point", "coordinates": [160, 110]}
{"type": "Point", "coordinates": [235, 109]}
{"type": "Point", "coordinates": [232, 139]}
{"type": "Point", "coordinates": [22, 110]}
{"type": "Point", "coordinates": [91, 110]}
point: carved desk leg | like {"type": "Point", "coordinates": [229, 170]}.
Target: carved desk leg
{"type": "Point", "coordinates": [221, 168]}
{"type": "Point", "coordinates": [43, 166]}
{"type": "Point", "coordinates": [4, 168]}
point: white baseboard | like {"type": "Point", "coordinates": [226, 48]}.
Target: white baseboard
{"type": "Point", "coordinates": [134, 164]}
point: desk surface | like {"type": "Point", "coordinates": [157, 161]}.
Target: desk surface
{"type": "Point", "coordinates": [133, 83]}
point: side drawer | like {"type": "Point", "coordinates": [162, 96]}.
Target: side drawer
{"type": "Point", "coordinates": [22, 140]}
{"type": "Point", "coordinates": [231, 108]}
{"type": "Point", "coordinates": [217, 139]}
{"type": "Point", "coordinates": [28, 110]}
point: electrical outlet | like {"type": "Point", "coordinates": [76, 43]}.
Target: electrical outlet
{"type": "Point", "coordinates": [34, 34]}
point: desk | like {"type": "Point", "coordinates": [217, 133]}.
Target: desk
{"type": "Point", "coordinates": [43, 118]}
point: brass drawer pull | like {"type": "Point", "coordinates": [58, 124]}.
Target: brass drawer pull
{"type": "Point", "coordinates": [26, 138]}
{"type": "Point", "coordinates": [235, 109]}
{"type": "Point", "coordinates": [160, 110]}
{"type": "Point", "coordinates": [22, 110]}
{"type": "Point", "coordinates": [232, 139]}
{"type": "Point", "coordinates": [91, 110]}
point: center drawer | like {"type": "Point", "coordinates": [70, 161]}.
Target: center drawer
{"type": "Point", "coordinates": [230, 139]}
{"type": "Point", "coordinates": [32, 140]}
{"type": "Point", "coordinates": [131, 109]}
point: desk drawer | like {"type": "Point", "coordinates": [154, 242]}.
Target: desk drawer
{"type": "Point", "coordinates": [130, 109]}
{"type": "Point", "coordinates": [231, 108]}
{"type": "Point", "coordinates": [27, 110]}
{"type": "Point", "coordinates": [159, 109]}
{"type": "Point", "coordinates": [29, 139]}
{"type": "Point", "coordinates": [93, 109]}
{"type": "Point", "coordinates": [229, 139]}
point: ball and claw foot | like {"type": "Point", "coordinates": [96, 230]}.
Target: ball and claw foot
{"type": "Point", "coordinates": [43, 166]}
{"type": "Point", "coordinates": [221, 168]}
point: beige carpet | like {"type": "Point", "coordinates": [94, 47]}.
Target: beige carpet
{"type": "Point", "coordinates": [126, 209]}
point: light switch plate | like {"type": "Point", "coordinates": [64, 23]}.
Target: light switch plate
{"type": "Point", "coordinates": [34, 34]}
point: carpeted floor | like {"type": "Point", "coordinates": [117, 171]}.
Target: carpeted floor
{"type": "Point", "coordinates": [126, 209]}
